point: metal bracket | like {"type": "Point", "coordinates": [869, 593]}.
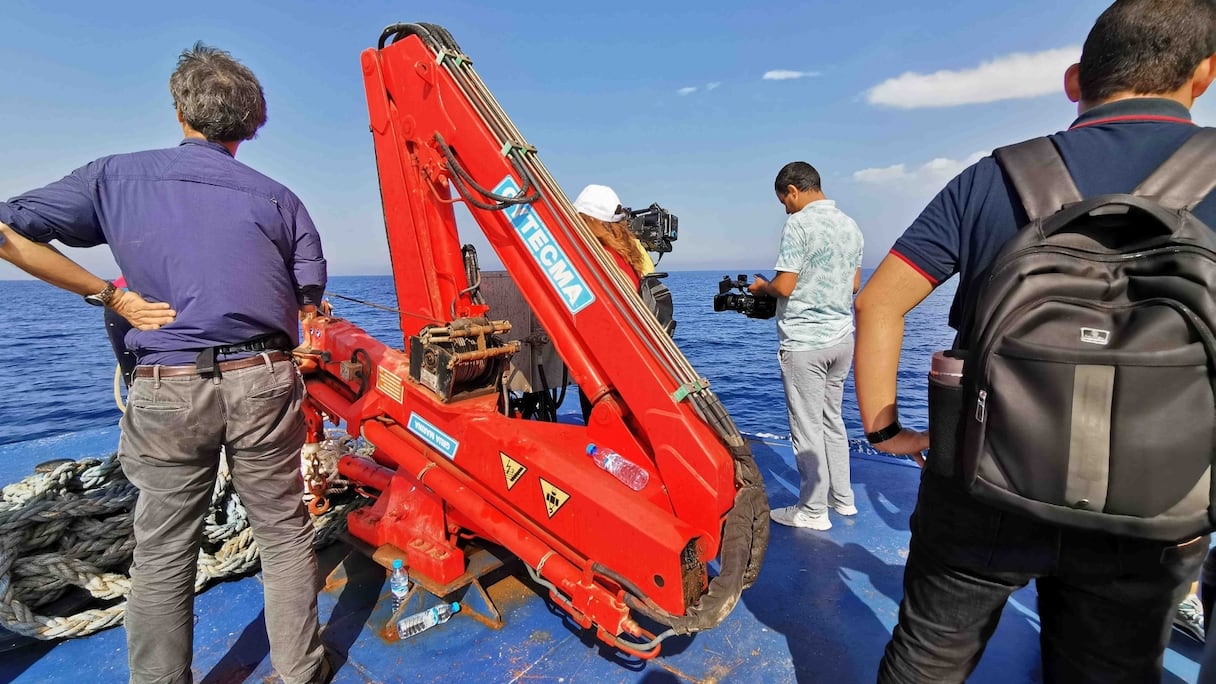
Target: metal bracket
{"type": "Point", "coordinates": [455, 58]}
{"type": "Point", "coordinates": [509, 147]}
{"type": "Point", "coordinates": [475, 601]}
{"type": "Point", "coordinates": [350, 370]}
{"type": "Point", "coordinates": [688, 388]}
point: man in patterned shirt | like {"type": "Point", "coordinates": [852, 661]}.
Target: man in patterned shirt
{"type": "Point", "coordinates": [818, 272]}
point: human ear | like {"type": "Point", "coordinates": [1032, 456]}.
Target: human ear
{"type": "Point", "coordinates": [1203, 76]}
{"type": "Point", "coordinates": [1072, 83]}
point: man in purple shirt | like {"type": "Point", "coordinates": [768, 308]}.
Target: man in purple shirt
{"type": "Point", "coordinates": [223, 259]}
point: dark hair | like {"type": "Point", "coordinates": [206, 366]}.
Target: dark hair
{"type": "Point", "coordinates": [799, 174]}
{"type": "Point", "coordinates": [217, 95]}
{"type": "Point", "coordinates": [1147, 47]}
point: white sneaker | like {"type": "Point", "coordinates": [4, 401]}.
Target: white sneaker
{"type": "Point", "coordinates": [1189, 618]}
{"type": "Point", "coordinates": [845, 510]}
{"type": "Point", "coordinates": [795, 516]}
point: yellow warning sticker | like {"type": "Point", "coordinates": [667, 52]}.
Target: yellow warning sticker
{"type": "Point", "coordinates": [512, 470]}
{"type": "Point", "coordinates": [389, 384]}
{"type": "Point", "coordinates": [554, 497]}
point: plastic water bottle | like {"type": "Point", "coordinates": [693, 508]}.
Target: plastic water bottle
{"type": "Point", "coordinates": [399, 584]}
{"type": "Point", "coordinates": [420, 622]}
{"type": "Point", "coordinates": [629, 473]}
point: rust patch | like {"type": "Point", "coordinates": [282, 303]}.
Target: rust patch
{"type": "Point", "coordinates": [388, 634]}
{"type": "Point", "coordinates": [717, 673]}
{"type": "Point", "coordinates": [677, 672]}
{"type": "Point", "coordinates": [334, 584]}
{"type": "Point", "coordinates": [509, 592]}
{"type": "Point", "coordinates": [485, 620]}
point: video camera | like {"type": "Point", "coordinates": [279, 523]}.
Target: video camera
{"type": "Point", "coordinates": [746, 303]}
{"type": "Point", "coordinates": [655, 227]}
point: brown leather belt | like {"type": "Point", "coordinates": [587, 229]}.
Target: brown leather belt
{"type": "Point", "coordinates": [224, 366]}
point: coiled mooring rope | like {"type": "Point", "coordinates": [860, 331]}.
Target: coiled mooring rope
{"type": "Point", "coordinates": [71, 526]}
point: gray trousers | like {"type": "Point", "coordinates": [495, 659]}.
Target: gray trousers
{"type": "Point", "coordinates": [170, 449]}
{"type": "Point", "coordinates": [814, 390]}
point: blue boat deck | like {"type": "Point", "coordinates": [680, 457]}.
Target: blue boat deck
{"type": "Point", "coordinates": [822, 611]}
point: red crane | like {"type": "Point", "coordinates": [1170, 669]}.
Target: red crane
{"type": "Point", "coordinates": [452, 460]}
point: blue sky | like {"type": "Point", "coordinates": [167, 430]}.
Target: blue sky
{"type": "Point", "coordinates": [692, 105]}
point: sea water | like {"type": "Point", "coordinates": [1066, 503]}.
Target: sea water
{"type": "Point", "coordinates": [56, 372]}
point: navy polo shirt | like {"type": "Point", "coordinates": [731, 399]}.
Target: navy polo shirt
{"type": "Point", "coordinates": [1109, 149]}
{"type": "Point", "coordinates": [231, 250]}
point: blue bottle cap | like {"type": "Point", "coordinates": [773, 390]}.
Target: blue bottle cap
{"type": "Point", "coordinates": [455, 607]}
{"type": "Point", "coordinates": [591, 449]}
{"type": "Point", "coordinates": [397, 563]}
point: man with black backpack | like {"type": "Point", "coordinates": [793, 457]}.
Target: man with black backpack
{"type": "Point", "coordinates": [1077, 449]}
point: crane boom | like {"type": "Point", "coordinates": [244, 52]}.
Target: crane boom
{"type": "Point", "coordinates": [451, 458]}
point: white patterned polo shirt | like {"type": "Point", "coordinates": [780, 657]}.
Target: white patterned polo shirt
{"type": "Point", "coordinates": [823, 246]}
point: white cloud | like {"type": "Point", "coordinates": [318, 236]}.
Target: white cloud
{"type": "Point", "coordinates": [1014, 76]}
{"type": "Point", "coordinates": [935, 172]}
{"type": "Point", "coordinates": [881, 175]}
{"type": "Point", "coordinates": [688, 90]}
{"type": "Point", "coordinates": [786, 74]}
{"type": "Point", "coordinates": [711, 86]}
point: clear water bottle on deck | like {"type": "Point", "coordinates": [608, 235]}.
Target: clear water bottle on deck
{"type": "Point", "coordinates": [629, 473]}
{"type": "Point", "coordinates": [420, 622]}
{"type": "Point", "coordinates": [398, 583]}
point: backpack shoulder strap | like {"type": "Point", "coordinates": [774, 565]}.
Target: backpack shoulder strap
{"type": "Point", "coordinates": [1038, 174]}
{"type": "Point", "coordinates": [1187, 176]}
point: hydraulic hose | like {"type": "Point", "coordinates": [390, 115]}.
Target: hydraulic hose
{"type": "Point", "coordinates": [744, 541]}
{"type": "Point", "coordinates": [745, 530]}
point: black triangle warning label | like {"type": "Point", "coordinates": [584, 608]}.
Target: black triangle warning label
{"type": "Point", "coordinates": [512, 470]}
{"type": "Point", "coordinates": [554, 497]}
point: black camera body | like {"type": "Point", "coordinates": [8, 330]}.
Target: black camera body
{"type": "Point", "coordinates": [655, 227]}
{"type": "Point", "coordinates": [746, 303]}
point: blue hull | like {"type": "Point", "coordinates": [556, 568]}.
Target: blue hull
{"type": "Point", "coordinates": [822, 611]}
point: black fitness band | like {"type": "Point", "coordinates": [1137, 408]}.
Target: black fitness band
{"type": "Point", "coordinates": [884, 434]}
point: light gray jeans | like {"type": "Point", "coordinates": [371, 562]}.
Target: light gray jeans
{"type": "Point", "coordinates": [170, 449]}
{"type": "Point", "coordinates": [814, 390]}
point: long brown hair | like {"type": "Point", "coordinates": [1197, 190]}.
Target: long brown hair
{"type": "Point", "coordinates": [616, 237]}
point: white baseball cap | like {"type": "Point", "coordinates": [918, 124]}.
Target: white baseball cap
{"type": "Point", "coordinates": [601, 202]}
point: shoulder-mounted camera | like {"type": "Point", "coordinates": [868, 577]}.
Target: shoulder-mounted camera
{"type": "Point", "coordinates": [746, 303]}
{"type": "Point", "coordinates": [655, 227]}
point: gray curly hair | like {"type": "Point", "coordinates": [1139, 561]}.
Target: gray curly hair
{"type": "Point", "coordinates": [217, 95]}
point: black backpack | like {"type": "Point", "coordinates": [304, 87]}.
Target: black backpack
{"type": "Point", "coordinates": [1089, 389]}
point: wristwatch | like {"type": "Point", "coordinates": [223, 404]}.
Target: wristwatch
{"type": "Point", "coordinates": [104, 297]}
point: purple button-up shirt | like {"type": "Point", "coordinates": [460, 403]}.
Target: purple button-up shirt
{"type": "Point", "coordinates": [232, 251]}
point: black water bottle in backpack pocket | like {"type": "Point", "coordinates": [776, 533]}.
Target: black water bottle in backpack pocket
{"type": "Point", "coordinates": [945, 408]}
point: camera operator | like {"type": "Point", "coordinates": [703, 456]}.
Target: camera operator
{"type": "Point", "coordinates": [608, 220]}
{"type": "Point", "coordinates": [601, 209]}
{"type": "Point", "coordinates": [818, 272]}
